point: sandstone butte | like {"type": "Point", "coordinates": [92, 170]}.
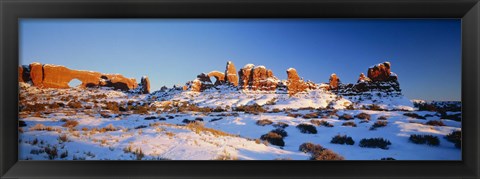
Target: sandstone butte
{"type": "Point", "coordinates": [55, 76]}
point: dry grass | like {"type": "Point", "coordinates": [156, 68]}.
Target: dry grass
{"type": "Point", "coordinates": [41, 127]}
{"type": "Point", "coordinates": [199, 128]}
{"type": "Point", "coordinates": [70, 123]}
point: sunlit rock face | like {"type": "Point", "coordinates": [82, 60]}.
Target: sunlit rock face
{"type": "Point", "coordinates": [55, 76]}
{"type": "Point", "coordinates": [294, 83]}
{"type": "Point", "coordinates": [380, 79]}
{"type": "Point", "coordinates": [231, 76]}
{"type": "Point", "coordinates": [257, 78]}
{"type": "Point", "coordinates": [145, 83]}
{"type": "Point", "coordinates": [334, 81]}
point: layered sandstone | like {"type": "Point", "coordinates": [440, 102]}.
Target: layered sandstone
{"type": "Point", "coordinates": [257, 78]}
{"type": "Point", "coordinates": [294, 83]}
{"type": "Point", "coordinates": [54, 76]}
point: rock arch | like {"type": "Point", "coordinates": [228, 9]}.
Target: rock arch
{"type": "Point", "coordinates": [219, 77]}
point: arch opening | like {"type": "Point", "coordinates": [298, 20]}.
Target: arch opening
{"type": "Point", "coordinates": [74, 83]}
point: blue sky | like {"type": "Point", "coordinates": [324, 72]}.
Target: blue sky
{"type": "Point", "coordinates": [425, 53]}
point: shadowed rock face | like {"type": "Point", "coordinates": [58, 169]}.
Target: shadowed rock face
{"type": "Point", "coordinates": [145, 83]}
{"type": "Point", "coordinates": [380, 78]}
{"type": "Point", "coordinates": [363, 78]}
{"type": "Point", "coordinates": [381, 72]}
{"type": "Point", "coordinates": [334, 82]}
{"type": "Point", "coordinates": [231, 74]}
{"type": "Point", "coordinates": [53, 76]}
{"type": "Point", "coordinates": [294, 83]}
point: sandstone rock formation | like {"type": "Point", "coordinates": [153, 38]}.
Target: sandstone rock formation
{"type": "Point", "coordinates": [54, 76]}
{"type": "Point", "coordinates": [219, 77]}
{"type": "Point", "coordinates": [231, 76]}
{"type": "Point", "coordinates": [362, 78]}
{"type": "Point", "coordinates": [294, 83]}
{"type": "Point", "coordinates": [201, 83]}
{"type": "Point", "coordinates": [334, 81]}
{"type": "Point", "coordinates": [257, 78]}
{"type": "Point", "coordinates": [145, 84]}
{"type": "Point", "coordinates": [381, 72]}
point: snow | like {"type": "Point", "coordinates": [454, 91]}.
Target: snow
{"type": "Point", "coordinates": [248, 66]}
{"type": "Point", "coordinates": [171, 139]}
{"type": "Point", "coordinates": [290, 69]}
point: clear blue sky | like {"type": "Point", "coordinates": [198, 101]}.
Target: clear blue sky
{"type": "Point", "coordinates": [426, 54]}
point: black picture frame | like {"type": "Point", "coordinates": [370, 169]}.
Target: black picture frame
{"type": "Point", "coordinates": [12, 10]}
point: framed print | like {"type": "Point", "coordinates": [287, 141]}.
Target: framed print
{"type": "Point", "coordinates": [279, 89]}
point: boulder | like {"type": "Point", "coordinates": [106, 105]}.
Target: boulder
{"type": "Point", "coordinates": [231, 76]}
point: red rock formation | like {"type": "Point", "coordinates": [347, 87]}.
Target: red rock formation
{"type": "Point", "coordinates": [36, 74]}
{"type": "Point", "coordinates": [219, 77]}
{"type": "Point", "coordinates": [294, 83]}
{"type": "Point", "coordinates": [363, 78]}
{"type": "Point", "coordinates": [380, 72]}
{"type": "Point", "coordinates": [245, 76]}
{"type": "Point", "coordinates": [201, 83]}
{"type": "Point", "coordinates": [20, 74]}
{"type": "Point", "coordinates": [53, 76]}
{"type": "Point", "coordinates": [231, 74]}
{"type": "Point", "coordinates": [257, 78]}
{"type": "Point", "coordinates": [334, 82]}
{"type": "Point", "coordinates": [145, 83]}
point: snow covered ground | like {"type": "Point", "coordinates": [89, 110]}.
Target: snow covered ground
{"type": "Point", "coordinates": [163, 130]}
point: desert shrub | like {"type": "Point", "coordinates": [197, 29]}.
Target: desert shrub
{"type": "Point", "coordinates": [310, 147]}
{"type": "Point", "coordinates": [198, 127]}
{"type": "Point", "coordinates": [455, 137]}
{"type": "Point", "coordinates": [310, 115]}
{"type": "Point", "coordinates": [41, 127]}
{"type": "Point", "coordinates": [276, 110]}
{"type": "Point", "coordinates": [64, 154]}
{"type": "Point", "coordinates": [349, 123]}
{"type": "Point", "coordinates": [455, 117]}
{"type": "Point", "coordinates": [74, 104]}
{"type": "Point", "coordinates": [251, 109]}
{"type": "Point", "coordinates": [307, 128]}
{"type": "Point", "coordinates": [112, 106]}
{"type": "Point", "coordinates": [317, 152]}
{"type": "Point", "coordinates": [414, 115]}
{"type": "Point", "coordinates": [435, 123]}
{"type": "Point", "coordinates": [22, 124]}
{"type": "Point", "coordinates": [37, 107]}
{"type": "Point", "coordinates": [63, 138]}
{"type": "Point", "coordinates": [215, 119]}
{"type": "Point", "coordinates": [264, 122]}
{"type": "Point", "coordinates": [109, 127]}
{"type": "Point", "coordinates": [37, 151]}
{"type": "Point", "coordinates": [170, 117]}
{"type": "Point", "coordinates": [378, 124]}
{"type": "Point", "coordinates": [51, 152]}
{"type": "Point", "coordinates": [294, 115]}
{"type": "Point", "coordinates": [198, 119]}
{"type": "Point", "coordinates": [70, 123]}
{"type": "Point", "coordinates": [375, 107]}
{"type": "Point", "coordinates": [387, 158]}
{"type": "Point", "coordinates": [280, 131]}
{"type": "Point", "coordinates": [218, 109]}
{"type": "Point", "coordinates": [364, 116]}
{"type": "Point", "coordinates": [186, 121]}
{"type": "Point", "coordinates": [375, 143]}
{"type": "Point", "coordinates": [321, 123]}
{"type": "Point", "coordinates": [150, 118]}
{"type": "Point", "coordinates": [382, 118]}
{"type": "Point", "coordinates": [141, 127]}
{"type": "Point", "coordinates": [273, 138]}
{"type": "Point", "coordinates": [326, 155]}
{"type": "Point", "coordinates": [342, 139]}
{"type": "Point", "coordinates": [422, 139]}
{"type": "Point", "coordinates": [140, 110]}
{"type": "Point", "coordinates": [345, 117]}
{"type": "Point", "coordinates": [162, 119]}
{"type": "Point", "coordinates": [280, 125]}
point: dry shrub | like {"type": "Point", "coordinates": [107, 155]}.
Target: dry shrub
{"type": "Point", "coordinates": [51, 152]}
{"type": "Point", "coordinates": [455, 137]}
{"type": "Point", "coordinates": [349, 123]}
{"type": "Point", "coordinates": [273, 138]}
{"type": "Point", "coordinates": [294, 115]}
{"type": "Point", "coordinates": [382, 118]}
{"type": "Point", "coordinates": [435, 123]}
{"type": "Point", "coordinates": [378, 124]}
{"type": "Point", "coordinates": [264, 122]}
{"type": "Point", "coordinates": [342, 139]}
{"type": "Point", "coordinates": [345, 117]}
{"type": "Point", "coordinates": [70, 123]}
{"type": "Point", "coordinates": [414, 115]}
{"type": "Point", "coordinates": [363, 115]}
{"type": "Point", "coordinates": [317, 152]}
{"type": "Point", "coordinates": [280, 125]}
{"type": "Point", "coordinates": [375, 143]}
{"type": "Point", "coordinates": [425, 139]}
{"type": "Point", "coordinates": [63, 138]}
{"type": "Point", "coordinates": [310, 115]}
{"type": "Point", "coordinates": [321, 123]}
{"type": "Point", "coordinates": [74, 104]}
{"type": "Point", "coordinates": [251, 109]}
{"type": "Point", "coordinates": [307, 128]}
{"type": "Point", "coordinates": [41, 127]}
{"type": "Point", "coordinates": [198, 128]}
